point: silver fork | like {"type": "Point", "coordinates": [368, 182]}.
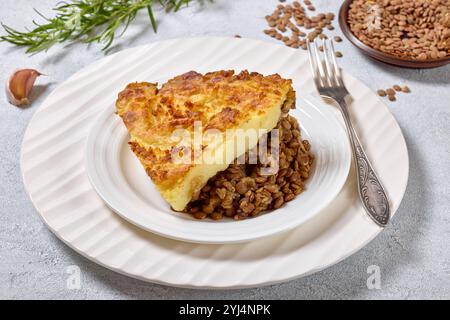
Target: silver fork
{"type": "Point", "coordinates": [329, 83]}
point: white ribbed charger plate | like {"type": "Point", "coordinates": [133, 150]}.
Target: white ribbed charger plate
{"type": "Point", "coordinates": [54, 175]}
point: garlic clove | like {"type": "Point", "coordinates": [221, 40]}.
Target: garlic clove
{"type": "Point", "coordinates": [19, 86]}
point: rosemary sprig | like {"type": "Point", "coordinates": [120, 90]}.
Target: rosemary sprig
{"type": "Point", "coordinates": [86, 21]}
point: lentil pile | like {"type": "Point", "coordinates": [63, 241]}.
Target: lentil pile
{"type": "Point", "coordinates": [294, 26]}
{"type": "Point", "coordinates": [414, 29]}
{"type": "Point", "coordinates": [241, 191]}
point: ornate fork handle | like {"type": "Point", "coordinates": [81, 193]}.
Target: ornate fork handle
{"type": "Point", "coordinates": [370, 189]}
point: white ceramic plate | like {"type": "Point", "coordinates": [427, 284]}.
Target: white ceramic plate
{"type": "Point", "coordinates": [55, 178]}
{"type": "Point", "coordinates": [120, 180]}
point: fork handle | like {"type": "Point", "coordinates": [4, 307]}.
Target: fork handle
{"type": "Point", "coordinates": [371, 191]}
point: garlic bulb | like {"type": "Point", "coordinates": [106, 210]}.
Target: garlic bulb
{"type": "Point", "coordinates": [19, 86]}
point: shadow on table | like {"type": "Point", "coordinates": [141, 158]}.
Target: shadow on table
{"type": "Point", "coordinates": [429, 76]}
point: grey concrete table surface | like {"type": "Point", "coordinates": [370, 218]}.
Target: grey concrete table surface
{"type": "Point", "coordinates": [412, 253]}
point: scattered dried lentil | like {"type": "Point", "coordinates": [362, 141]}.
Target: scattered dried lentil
{"type": "Point", "coordinates": [381, 93]}
{"type": "Point", "coordinates": [390, 92]}
{"type": "Point", "coordinates": [289, 18]}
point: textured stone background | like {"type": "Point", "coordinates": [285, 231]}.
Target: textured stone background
{"type": "Point", "coordinates": [413, 252]}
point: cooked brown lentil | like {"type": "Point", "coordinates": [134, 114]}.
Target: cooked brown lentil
{"type": "Point", "coordinates": [381, 93]}
{"type": "Point", "coordinates": [406, 89]}
{"type": "Point", "coordinates": [397, 88]}
{"type": "Point", "coordinates": [392, 97]}
{"type": "Point", "coordinates": [241, 191]}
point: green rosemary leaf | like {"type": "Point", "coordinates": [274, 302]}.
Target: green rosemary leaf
{"type": "Point", "coordinates": [180, 3]}
{"type": "Point", "coordinates": [86, 21]}
{"type": "Point", "coordinates": [152, 18]}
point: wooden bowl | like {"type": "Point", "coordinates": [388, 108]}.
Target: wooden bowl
{"type": "Point", "coordinates": [379, 55]}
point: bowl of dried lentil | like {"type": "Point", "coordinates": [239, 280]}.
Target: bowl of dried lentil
{"type": "Point", "coordinates": [405, 33]}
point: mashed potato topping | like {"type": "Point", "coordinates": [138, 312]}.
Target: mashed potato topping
{"type": "Point", "coordinates": [220, 100]}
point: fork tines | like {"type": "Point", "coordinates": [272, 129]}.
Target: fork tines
{"type": "Point", "coordinates": [326, 72]}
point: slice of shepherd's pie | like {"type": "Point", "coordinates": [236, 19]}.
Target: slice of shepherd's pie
{"type": "Point", "coordinates": [221, 102]}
